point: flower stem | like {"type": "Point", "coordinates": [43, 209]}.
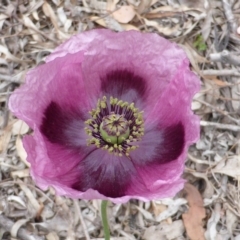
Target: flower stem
{"type": "Point", "coordinates": [105, 220]}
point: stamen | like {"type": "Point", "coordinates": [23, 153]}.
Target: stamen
{"type": "Point", "coordinates": [114, 126]}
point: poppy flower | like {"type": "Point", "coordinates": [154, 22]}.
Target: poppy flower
{"type": "Point", "coordinates": [111, 116]}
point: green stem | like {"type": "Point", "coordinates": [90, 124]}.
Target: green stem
{"type": "Point", "coordinates": [105, 220]}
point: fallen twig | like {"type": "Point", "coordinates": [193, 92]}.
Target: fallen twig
{"type": "Point", "coordinates": [220, 126]}
{"type": "Point", "coordinates": [81, 219]}
{"type": "Point", "coordinates": [222, 72]}
{"type": "Point", "coordinates": [225, 113]}
{"type": "Point", "coordinates": [225, 57]}
{"type": "Point", "coordinates": [229, 14]}
{"type": "Point", "coordinates": [199, 161]}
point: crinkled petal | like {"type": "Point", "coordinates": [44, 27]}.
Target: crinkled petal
{"type": "Point", "coordinates": [159, 158]}
{"type": "Point", "coordinates": [135, 67]}
{"type": "Point", "coordinates": [59, 81]}
{"type": "Point", "coordinates": [142, 56]}
{"type": "Point", "coordinates": [132, 51]}
{"type": "Point", "coordinates": [176, 127]}
{"type": "Point", "coordinates": [174, 104]}
{"type": "Point", "coordinates": [98, 175]}
{"type": "Point", "coordinates": [160, 145]}
{"type": "Point", "coordinates": [79, 43]}
{"type": "Point", "coordinates": [158, 188]}
{"type": "Point", "coordinates": [110, 175]}
{"type": "Point", "coordinates": [51, 161]}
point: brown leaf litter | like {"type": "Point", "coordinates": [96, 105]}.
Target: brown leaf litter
{"type": "Point", "coordinates": [207, 30]}
{"type": "Point", "coordinates": [193, 219]}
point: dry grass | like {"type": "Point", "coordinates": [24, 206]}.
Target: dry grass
{"type": "Point", "coordinates": [29, 30]}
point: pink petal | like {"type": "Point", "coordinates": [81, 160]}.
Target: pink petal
{"type": "Point", "coordinates": [142, 55]}
{"type": "Point", "coordinates": [174, 104]}
{"type": "Point", "coordinates": [110, 175]}
{"type": "Point", "coordinates": [51, 161]}
{"type": "Point", "coordinates": [59, 81]}
{"type": "Point", "coordinates": [133, 66]}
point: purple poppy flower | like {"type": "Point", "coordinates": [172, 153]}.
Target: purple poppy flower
{"type": "Point", "coordinates": [111, 115]}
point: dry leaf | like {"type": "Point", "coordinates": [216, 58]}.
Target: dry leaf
{"type": "Point", "coordinates": [195, 103]}
{"type": "Point", "coordinates": [71, 235]}
{"type": "Point", "coordinates": [219, 82]}
{"type": "Point", "coordinates": [206, 25]}
{"type": "Point", "coordinates": [16, 227]}
{"type": "Point", "coordinates": [237, 237]}
{"type": "Point", "coordinates": [17, 199]}
{"type": "Point", "coordinates": [147, 215]}
{"type": "Point", "coordinates": [111, 5]}
{"type": "Point", "coordinates": [5, 138]}
{"type": "Point", "coordinates": [173, 207]}
{"type": "Point", "coordinates": [21, 173]}
{"type": "Point", "coordinates": [143, 6]}
{"type": "Point", "coordinates": [20, 128]}
{"type": "Point", "coordinates": [113, 24]}
{"type": "Point", "coordinates": [211, 233]}
{"type": "Point", "coordinates": [174, 31]}
{"type": "Point", "coordinates": [192, 4]}
{"type": "Point", "coordinates": [128, 27]}
{"type": "Point", "coordinates": [196, 213]}
{"type": "Point", "coordinates": [32, 28]}
{"type": "Point", "coordinates": [30, 196]}
{"type": "Point", "coordinates": [35, 16]}
{"type": "Point", "coordinates": [8, 55]}
{"type": "Point", "coordinates": [158, 208]}
{"type": "Point", "coordinates": [95, 4]}
{"type": "Point", "coordinates": [124, 14]}
{"type": "Point", "coordinates": [165, 231]}
{"type": "Point", "coordinates": [98, 20]}
{"type": "Point", "coordinates": [235, 94]}
{"type": "Point", "coordinates": [192, 58]}
{"type": "Point", "coordinates": [61, 221]}
{"type": "Point", "coordinates": [209, 189]}
{"type": "Point", "coordinates": [48, 11]}
{"type": "Point", "coordinates": [21, 151]}
{"type": "Point", "coordinates": [62, 15]}
{"type": "Point", "coordinates": [231, 221]}
{"type": "Point", "coordinates": [3, 17]}
{"type": "Point", "coordinates": [52, 236]}
{"type": "Point", "coordinates": [231, 167]}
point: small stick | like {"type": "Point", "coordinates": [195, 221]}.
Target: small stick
{"type": "Point", "coordinates": [220, 111]}
{"type": "Point", "coordinates": [199, 161]}
{"type": "Point", "coordinates": [23, 234]}
{"type": "Point", "coordinates": [229, 14]}
{"type": "Point", "coordinates": [223, 72]}
{"type": "Point", "coordinates": [75, 201]}
{"type": "Point", "coordinates": [220, 126]}
{"type": "Point", "coordinates": [225, 57]}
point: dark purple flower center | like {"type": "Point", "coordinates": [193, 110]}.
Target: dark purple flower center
{"type": "Point", "coordinates": [115, 126]}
